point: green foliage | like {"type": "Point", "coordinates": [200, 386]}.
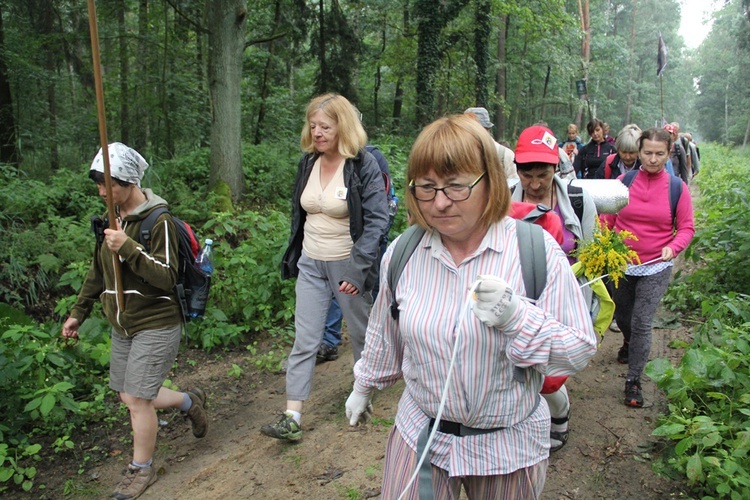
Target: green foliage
{"type": "Point", "coordinates": [270, 169]}
{"type": "Point", "coordinates": [722, 239]}
{"type": "Point", "coordinates": [709, 390]}
{"type": "Point", "coordinates": [247, 286]}
{"type": "Point", "coordinates": [49, 388]}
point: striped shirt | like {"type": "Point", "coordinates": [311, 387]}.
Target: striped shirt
{"type": "Point", "coordinates": [554, 338]}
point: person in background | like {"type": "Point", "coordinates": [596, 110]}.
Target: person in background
{"type": "Point", "coordinates": [594, 152]}
{"type": "Point", "coordinates": [146, 328]}
{"type": "Point", "coordinates": [505, 153]}
{"type": "Point", "coordinates": [536, 153]}
{"type": "Point", "coordinates": [564, 168]}
{"type": "Point", "coordinates": [677, 154]}
{"type": "Point", "coordinates": [573, 143]}
{"type": "Point", "coordinates": [607, 137]}
{"type": "Point", "coordinates": [693, 153]}
{"type": "Point", "coordinates": [493, 437]}
{"type": "Point", "coordinates": [626, 157]}
{"type": "Point", "coordinates": [339, 216]}
{"type": "Point", "coordinates": [329, 347]}
{"type": "Point", "coordinates": [661, 238]}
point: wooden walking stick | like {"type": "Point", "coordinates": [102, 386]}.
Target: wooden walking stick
{"type": "Point", "coordinates": [103, 139]}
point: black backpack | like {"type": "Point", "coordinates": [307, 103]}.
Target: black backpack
{"type": "Point", "coordinates": [193, 284]}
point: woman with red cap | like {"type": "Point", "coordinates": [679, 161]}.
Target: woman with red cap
{"type": "Point", "coordinates": [536, 158]}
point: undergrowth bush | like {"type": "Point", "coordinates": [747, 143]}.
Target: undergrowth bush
{"type": "Point", "coordinates": [708, 425]}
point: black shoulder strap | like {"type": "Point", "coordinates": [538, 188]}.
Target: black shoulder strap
{"type": "Point", "coordinates": [148, 225]}
{"type": "Point", "coordinates": [405, 246]}
{"type": "Point", "coordinates": [575, 194]}
{"type": "Point", "coordinates": [533, 258]}
{"type": "Point", "coordinates": [675, 192]}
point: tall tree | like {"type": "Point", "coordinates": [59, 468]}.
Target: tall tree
{"type": "Point", "coordinates": [432, 18]}
{"type": "Point", "coordinates": [124, 73]}
{"type": "Point", "coordinates": [9, 152]}
{"type": "Point", "coordinates": [227, 21]}
{"type": "Point", "coordinates": [482, 31]}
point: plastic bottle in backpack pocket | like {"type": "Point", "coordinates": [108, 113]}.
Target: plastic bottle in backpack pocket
{"type": "Point", "coordinates": [202, 284]}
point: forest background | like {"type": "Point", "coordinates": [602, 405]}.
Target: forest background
{"type": "Point", "coordinates": [213, 93]}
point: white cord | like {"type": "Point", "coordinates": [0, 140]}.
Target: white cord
{"type": "Point", "coordinates": [456, 331]}
{"type": "Point", "coordinates": [605, 275]}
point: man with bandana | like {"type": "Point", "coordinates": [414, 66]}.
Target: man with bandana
{"type": "Point", "coordinates": [146, 327]}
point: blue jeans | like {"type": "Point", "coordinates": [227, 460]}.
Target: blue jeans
{"type": "Point", "coordinates": [332, 332]}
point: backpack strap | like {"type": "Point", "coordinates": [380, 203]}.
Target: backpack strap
{"type": "Point", "coordinates": [536, 213]}
{"type": "Point", "coordinates": [533, 258]}
{"type": "Point", "coordinates": [575, 194]}
{"type": "Point", "coordinates": [533, 268]}
{"type": "Point", "coordinates": [675, 192]}
{"type": "Point", "coordinates": [405, 246]}
{"type": "Point", "coordinates": [148, 225]}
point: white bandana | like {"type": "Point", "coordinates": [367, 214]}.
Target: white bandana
{"type": "Point", "coordinates": [125, 163]}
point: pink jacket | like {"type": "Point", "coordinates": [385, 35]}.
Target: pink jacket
{"type": "Point", "coordinates": [649, 218]}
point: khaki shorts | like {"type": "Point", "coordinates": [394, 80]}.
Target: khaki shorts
{"type": "Point", "coordinates": [139, 365]}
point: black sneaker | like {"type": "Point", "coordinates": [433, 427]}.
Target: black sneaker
{"type": "Point", "coordinates": [633, 393]}
{"type": "Point", "coordinates": [622, 354]}
{"type": "Point", "coordinates": [326, 353]}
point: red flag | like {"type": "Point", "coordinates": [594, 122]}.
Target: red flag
{"type": "Point", "coordinates": [661, 58]}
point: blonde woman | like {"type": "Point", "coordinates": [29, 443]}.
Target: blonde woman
{"type": "Point", "coordinates": [339, 215]}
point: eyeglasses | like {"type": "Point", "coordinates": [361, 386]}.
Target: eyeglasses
{"type": "Point", "coordinates": [454, 192]}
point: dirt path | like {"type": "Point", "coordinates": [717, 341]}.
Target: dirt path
{"type": "Point", "coordinates": [608, 456]}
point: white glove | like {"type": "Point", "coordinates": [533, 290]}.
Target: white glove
{"type": "Point", "coordinates": [359, 407]}
{"type": "Point", "coordinates": [495, 300]}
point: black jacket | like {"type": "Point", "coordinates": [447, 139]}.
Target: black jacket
{"type": "Point", "coordinates": [590, 157]}
{"type": "Point", "coordinates": [368, 218]}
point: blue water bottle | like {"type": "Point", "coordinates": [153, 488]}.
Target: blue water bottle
{"type": "Point", "coordinates": [205, 256]}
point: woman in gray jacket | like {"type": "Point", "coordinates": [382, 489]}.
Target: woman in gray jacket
{"type": "Point", "coordinates": [339, 215]}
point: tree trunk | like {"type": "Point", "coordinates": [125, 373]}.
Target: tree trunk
{"type": "Point", "coordinates": [747, 134]}
{"type": "Point", "coordinates": [583, 12]}
{"type": "Point", "coordinates": [142, 126]}
{"type": "Point", "coordinates": [9, 152]}
{"type": "Point", "coordinates": [124, 73]}
{"type": "Point", "coordinates": [226, 40]}
{"type": "Point", "coordinates": [398, 100]}
{"type": "Point", "coordinates": [322, 84]}
{"type": "Point", "coordinates": [164, 91]}
{"type": "Point", "coordinates": [378, 75]}
{"type": "Point", "coordinates": [482, 30]}
{"type": "Point", "coordinates": [501, 79]}
{"type": "Point", "coordinates": [264, 85]}
{"type": "Point", "coordinates": [629, 100]}
{"type": "Point", "coordinates": [46, 30]}
{"type": "Point", "coordinates": [544, 92]}
{"type": "Point", "coordinates": [432, 17]}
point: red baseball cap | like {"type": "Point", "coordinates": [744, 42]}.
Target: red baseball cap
{"type": "Point", "coordinates": [537, 144]}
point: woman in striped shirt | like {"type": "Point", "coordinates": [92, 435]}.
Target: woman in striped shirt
{"type": "Point", "coordinates": [494, 432]}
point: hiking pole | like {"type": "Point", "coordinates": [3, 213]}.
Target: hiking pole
{"type": "Point", "coordinates": [96, 59]}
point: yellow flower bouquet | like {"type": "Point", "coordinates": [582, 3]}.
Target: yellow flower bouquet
{"type": "Point", "coordinates": [607, 253]}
